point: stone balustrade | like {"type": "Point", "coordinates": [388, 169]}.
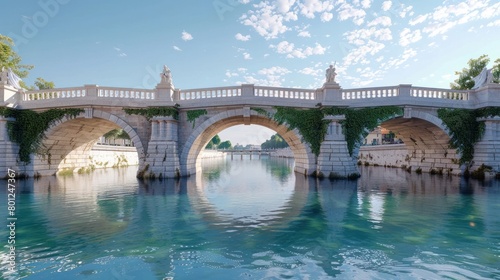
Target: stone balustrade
{"type": "Point", "coordinates": [75, 92]}
{"type": "Point", "coordinates": [220, 92]}
{"type": "Point", "coordinates": [439, 93]}
{"type": "Point", "coordinates": [248, 95]}
{"type": "Point", "coordinates": [289, 93]}
{"type": "Point", "coordinates": [378, 92]}
{"type": "Point", "coordinates": [125, 93]}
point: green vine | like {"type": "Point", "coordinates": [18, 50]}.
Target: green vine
{"type": "Point", "coordinates": [464, 128]}
{"type": "Point", "coordinates": [28, 128]}
{"type": "Point", "coordinates": [309, 122]}
{"type": "Point", "coordinates": [194, 114]}
{"type": "Point", "coordinates": [359, 122]}
{"type": "Point", "coordinates": [151, 112]}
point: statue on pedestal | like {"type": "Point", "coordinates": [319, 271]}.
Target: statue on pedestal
{"type": "Point", "coordinates": [485, 77]}
{"type": "Point", "coordinates": [166, 76]}
{"type": "Point", "coordinates": [330, 74]}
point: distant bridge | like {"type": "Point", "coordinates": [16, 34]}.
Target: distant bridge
{"type": "Point", "coordinates": [170, 147]}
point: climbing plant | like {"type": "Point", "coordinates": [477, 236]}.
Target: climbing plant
{"type": "Point", "coordinates": [309, 122]}
{"type": "Point", "coordinates": [464, 128]}
{"type": "Point", "coordinates": [359, 122]}
{"type": "Point", "coordinates": [313, 128]}
{"type": "Point", "coordinates": [194, 114]}
{"type": "Point", "coordinates": [151, 112]}
{"type": "Point", "coordinates": [28, 127]}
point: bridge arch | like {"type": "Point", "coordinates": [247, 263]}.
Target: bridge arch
{"type": "Point", "coordinates": [67, 142]}
{"type": "Point", "coordinates": [199, 138]}
{"type": "Point", "coordinates": [426, 140]}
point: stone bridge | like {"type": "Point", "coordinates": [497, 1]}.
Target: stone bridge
{"type": "Point", "coordinates": [170, 146]}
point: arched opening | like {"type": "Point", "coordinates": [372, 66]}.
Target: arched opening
{"type": "Point", "coordinates": [69, 146]}
{"type": "Point", "coordinates": [190, 158]}
{"type": "Point", "coordinates": [424, 146]}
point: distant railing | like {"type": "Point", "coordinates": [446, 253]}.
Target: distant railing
{"type": "Point", "coordinates": [221, 92]}
{"type": "Point", "coordinates": [290, 93]}
{"type": "Point", "coordinates": [364, 93]}
{"type": "Point", "coordinates": [439, 93]}
{"type": "Point", "coordinates": [78, 92]}
{"type": "Point", "coordinates": [126, 93]}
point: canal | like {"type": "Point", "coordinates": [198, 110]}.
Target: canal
{"type": "Point", "coordinates": [254, 219]}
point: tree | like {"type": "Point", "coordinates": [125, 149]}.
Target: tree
{"type": "Point", "coordinates": [117, 134]}
{"type": "Point", "coordinates": [276, 142]}
{"type": "Point", "coordinates": [214, 142]}
{"type": "Point", "coordinates": [10, 59]}
{"type": "Point", "coordinates": [40, 83]}
{"type": "Point", "coordinates": [475, 66]}
{"type": "Point", "coordinates": [225, 145]}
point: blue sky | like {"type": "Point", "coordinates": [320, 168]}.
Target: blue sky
{"type": "Point", "coordinates": [226, 42]}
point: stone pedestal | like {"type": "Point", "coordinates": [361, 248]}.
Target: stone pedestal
{"type": "Point", "coordinates": [162, 159]}
{"type": "Point", "coordinates": [164, 93]}
{"type": "Point", "coordinates": [331, 93]}
{"type": "Point", "coordinates": [334, 160]}
{"type": "Point", "coordinates": [487, 151]}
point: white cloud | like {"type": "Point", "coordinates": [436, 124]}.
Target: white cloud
{"type": "Point", "coordinates": [386, 5]}
{"type": "Point", "coordinates": [361, 36]}
{"type": "Point", "coordinates": [284, 5]}
{"type": "Point", "coordinates": [347, 11]}
{"type": "Point", "coordinates": [396, 62]}
{"type": "Point", "coordinates": [272, 76]}
{"type": "Point", "coordinates": [326, 16]}
{"type": "Point", "coordinates": [310, 7]}
{"type": "Point", "coordinates": [419, 19]}
{"type": "Point", "coordinates": [247, 56]}
{"type": "Point", "coordinates": [494, 23]}
{"type": "Point", "coordinates": [359, 54]}
{"type": "Point", "coordinates": [266, 21]}
{"type": "Point", "coordinates": [285, 47]}
{"type": "Point", "coordinates": [177, 48]}
{"type": "Point", "coordinates": [230, 74]}
{"type": "Point", "coordinates": [304, 33]}
{"type": "Point", "coordinates": [405, 10]}
{"type": "Point", "coordinates": [241, 37]}
{"type": "Point", "coordinates": [311, 71]}
{"type": "Point", "coordinates": [407, 37]}
{"type": "Point", "coordinates": [366, 4]}
{"type": "Point", "coordinates": [186, 36]}
{"type": "Point", "coordinates": [383, 20]}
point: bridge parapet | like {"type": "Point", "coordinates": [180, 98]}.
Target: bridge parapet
{"type": "Point", "coordinates": [250, 95]}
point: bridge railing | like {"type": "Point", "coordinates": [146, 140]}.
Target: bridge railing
{"type": "Point", "coordinates": [423, 92]}
{"type": "Point", "coordinates": [126, 93]}
{"type": "Point", "coordinates": [75, 92]}
{"type": "Point", "coordinates": [219, 92]}
{"type": "Point", "coordinates": [288, 93]}
{"type": "Point", "coordinates": [376, 92]}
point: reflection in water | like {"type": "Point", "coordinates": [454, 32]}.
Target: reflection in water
{"type": "Point", "coordinates": [255, 219]}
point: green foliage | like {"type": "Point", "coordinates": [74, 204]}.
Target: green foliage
{"type": "Point", "coordinates": [10, 59]}
{"type": "Point", "coordinates": [309, 122]}
{"type": "Point", "coordinates": [225, 145]}
{"type": "Point", "coordinates": [28, 128]}
{"type": "Point", "coordinates": [464, 128]}
{"type": "Point", "coordinates": [194, 114]}
{"type": "Point", "coordinates": [475, 66]}
{"type": "Point", "coordinates": [496, 71]}
{"type": "Point", "coordinates": [151, 112]}
{"type": "Point", "coordinates": [214, 142]}
{"type": "Point", "coordinates": [43, 84]}
{"type": "Point", "coordinates": [359, 122]}
{"type": "Point", "coordinates": [117, 134]}
{"type": "Point", "coordinates": [276, 142]}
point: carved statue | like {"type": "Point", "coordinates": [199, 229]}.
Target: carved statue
{"type": "Point", "coordinates": [330, 74]}
{"type": "Point", "coordinates": [166, 75]}
{"type": "Point", "coordinates": [485, 77]}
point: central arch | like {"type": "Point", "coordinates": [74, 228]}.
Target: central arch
{"type": "Point", "coordinates": [305, 160]}
{"type": "Point", "coordinates": [67, 142]}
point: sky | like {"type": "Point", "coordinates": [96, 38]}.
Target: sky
{"type": "Point", "coordinates": [288, 43]}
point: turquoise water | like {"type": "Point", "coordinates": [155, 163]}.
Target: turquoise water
{"type": "Point", "coordinates": [255, 219]}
